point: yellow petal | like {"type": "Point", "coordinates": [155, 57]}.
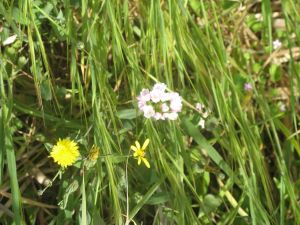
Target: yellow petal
{"type": "Point", "coordinates": [139, 161]}
{"type": "Point", "coordinates": [137, 144]}
{"type": "Point", "coordinates": [146, 162]}
{"type": "Point", "coordinates": [135, 154]}
{"type": "Point", "coordinates": [133, 148]}
{"type": "Point", "coordinates": [146, 144]}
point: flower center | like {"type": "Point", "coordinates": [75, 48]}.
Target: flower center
{"type": "Point", "coordinates": [140, 153]}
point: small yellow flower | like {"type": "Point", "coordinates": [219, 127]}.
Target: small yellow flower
{"type": "Point", "coordinates": [139, 152]}
{"type": "Point", "coordinates": [65, 152]}
{"type": "Point", "coordinates": [94, 153]}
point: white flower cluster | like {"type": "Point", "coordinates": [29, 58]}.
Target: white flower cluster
{"type": "Point", "coordinates": [159, 104]}
{"type": "Point", "coordinates": [277, 44]}
{"type": "Point", "coordinates": [204, 114]}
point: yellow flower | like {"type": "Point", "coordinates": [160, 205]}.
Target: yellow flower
{"type": "Point", "coordinates": [94, 153]}
{"type": "Point", "coordinates": [65, 152]}
{"type": "Point", "coordinates": [139, 152]}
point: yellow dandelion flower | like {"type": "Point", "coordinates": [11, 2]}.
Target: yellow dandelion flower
{"type": "Point", "coordinates": [94, 153]}
{"type": "Point", "coordinates": [139, 152]}
{"type": "Point", "coordinates": [65, 152]}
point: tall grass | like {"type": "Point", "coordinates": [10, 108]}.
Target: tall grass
{"type": "Point", "coordinates": [75, 70]}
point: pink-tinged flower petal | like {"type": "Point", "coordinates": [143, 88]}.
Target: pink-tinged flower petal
{"type": "Point", "coordinates": [176, 108]}
{"type": "Point", "coordinates": [248, 87]}
{"type": "Point", "coordinates": [159, 87]}
{"type": "Point", "coordinates": [141, 105]}
{"type": "Point", "coordinates": [145, 91]}
{"type": "Point", "coordinates": [176, 105]}
{"type": "Point", "coordinates": [165, 97]}
{"type": "Point", "coordinates": [144, 95]}
{"type": "Point", "coordinates": [171, 116]}
{"type": "Point", "coordinates": [155, 96]}
{"type": "Point", "coordinates": [165, 107]}
{"type": "Point", "coordinates": [157, 116]}
{"type": "Point", "coordinates": [174, 96]}
{"type": "Point", "coordinates": [276, 44]}
{"type": "Point", "coordinates": [148, 111]}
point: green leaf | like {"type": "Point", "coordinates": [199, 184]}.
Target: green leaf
{"type": "Point", "coordinates": [144, 199]}
{"type": "Point", "coordinates": [275, 73]}
{"type": "Point", "coordinates": [46, 90]}
{"type": "Point", "coordinates": [128, 114]}
{"type": "Point", "coordinates": [230, 3]}
{"type": "Point", "coordinates": [196, 6]}
{"type": "Point", "coordinates": [19, 16]}
{"type": "Point", "coordinates": [159, 199]}
{"type": "Point", "coordinates": [8, 147]}
{"type": "Point", "coordinates": [211, 203]}
{"type": "Point", "coordinates": [203, 143]}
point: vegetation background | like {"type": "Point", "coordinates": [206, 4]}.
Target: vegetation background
{"type": "Point", "coordinates": [74, 70]}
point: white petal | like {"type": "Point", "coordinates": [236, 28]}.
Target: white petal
{"type": "Point", "coordinates": [10, 40]}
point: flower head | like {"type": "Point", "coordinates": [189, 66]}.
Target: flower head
{"type": "Point", "coordinates": [165, 107]}
{"type": "Point", "coordinates": [148, 111]}
{"type": "Point", "coordinates": [282, 107]}
{"type": "Point", "coordinates": [199, 106]}
{"type": "Point", "coordinates": [159, 104]}
{"type": "Point", "coordinates": [139, 152]}
{"type": "Point", "coordinates": [144, 95]}
{"type": "Point", "coordinates": [201, 123]}
{"type": "Point", "coordinates": [248, 87]}
{"type": "Point", "coordinates": [158, 116]}
{"type": "Point", "coordinates": [94, 153]}
{"type": "Point", "coordinates": [276, 44]}
{"type": "Point", "coordinates": [166, 96]}
{"type": "Point", "coordinates": [161, 87]}
{"type": "Point", "coordinates": [171, 115]}
{"type": "Point", "coordinates": [156, 95]}
{"type": "Point", "coordinates": [65, 152]}
{"type": "Point", "coordinates": [204, 113]}
{"type": "Point", "coordinates": [176, 105]}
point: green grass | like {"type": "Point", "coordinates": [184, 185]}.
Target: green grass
{"type": "Point", "coordinates": [75, 71]}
